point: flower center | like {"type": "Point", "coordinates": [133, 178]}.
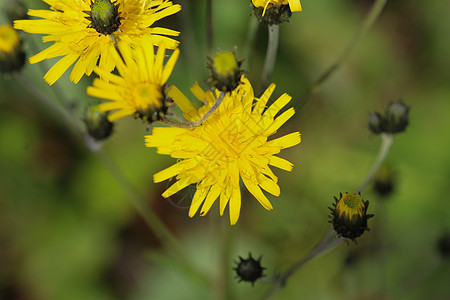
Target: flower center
{"type": "Point", "coordinates": [104, 16]}
{"type": "Point", "coordinates": [147, 96]}
{"type": "Point", "coordinates": [350, 204]}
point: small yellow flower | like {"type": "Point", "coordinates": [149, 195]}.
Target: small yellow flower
{"type": "Point", "coordinates": [294, 5]}
{"type": "Point", "coordinates": [84, 32]}
{"type": "Point", "coordinates": [12, 57]}
{"type": "Point", "coordinates": [139, 89]}
{"type": "Point", "coordinates": [231, 144]}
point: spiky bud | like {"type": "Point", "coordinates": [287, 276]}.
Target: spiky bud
{"type": "Point", "coordinates": [249, 269]}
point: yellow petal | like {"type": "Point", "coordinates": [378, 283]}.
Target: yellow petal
{"type": "Point", "coordinates": [235, 205]}
{"type": "Point", "coordinates": [210, 199]}
{"type": "Point", "coordinates": [295, 5]}
{"type": "Point", "coordinates": [257, 193]}
{"type": "Point", "coordinates": [286, 141]}
{"type": "Point", "coordinates": [280, 163]}
{"type": "Point", "coordinates": [177, 186]}
{"type": "Point", "coordinates": [198, 199]}
{"type": "Point", "coordinates": [59, 68]}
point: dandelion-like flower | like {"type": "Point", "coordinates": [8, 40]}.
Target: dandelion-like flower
{"type": "Point", "coordinates": [140, 88]}
{"type": "Point", "coordinates": [84, 31]}
{"type": "Point", "coordinates": [294, 5]}
{"type": "Point", "coordinates": [231, 144]}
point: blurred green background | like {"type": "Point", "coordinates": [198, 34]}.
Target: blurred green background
{"type": "Point", "coordinates": [69, 231]}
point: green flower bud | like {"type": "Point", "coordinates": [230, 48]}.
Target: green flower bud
{"type": "Point", "coordinates": [225, 71]}
{"type": "Point", "coordinates": [397, 117]}
{"type": "Point", "coordinates": [377, 124]}
{"type": "Point", "coordinates": [12, 57]}
{"type": "Point", "coordinates": [249, 269]}
{"type": "Point", "coordinates": [97, 124]}
{"type": "Point", "coordinates": [104, 16]}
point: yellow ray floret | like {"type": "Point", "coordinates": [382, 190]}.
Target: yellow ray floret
{"type": "Point", "coordinates": [232, 144]}
{"type": "Point", "coordinates": [75, 38]}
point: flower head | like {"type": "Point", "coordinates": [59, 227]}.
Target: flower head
{"type": "Point", "coordinates": [294, 5]}
{"type": "Point", "coordinates": [140, 88]}
{"type": "Point", "coordinates": [12, 57]}
{"type": "Point", "coordinates": [231, 144]}
{"type": "Point", "coordinates": [86, 31]}
{"type": "Point", "coordinates": [349, 215]}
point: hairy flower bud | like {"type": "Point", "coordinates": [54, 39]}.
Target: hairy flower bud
{"type": "Point", "coordinates": [249, 269]}
{"type": "Point", "coordinates": [12, 57]}
{"type": "Point", "coordinates": [397, 117]}
{"type": "Point", "coordinates": [97, 124]}
{"type": "Point", "coordinates": [225, 71]}
{"type": "Point", "coordinates": [377, 123]}
{"type": "Point", "coordinates": [348, 215]}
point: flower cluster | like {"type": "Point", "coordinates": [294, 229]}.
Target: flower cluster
{"type": "Point", "coordinates": [217, 145]}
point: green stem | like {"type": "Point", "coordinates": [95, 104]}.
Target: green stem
{"type": "Point", "coordinates": [222, 281]}
{"type": "Point", "coordinates": [324, 245]}
{"type": "Point", "coordinates": [152, 220]}
{"type": "Point", "coordinates": [386, 142]}
{"type": "Point", "coordinates": [271, 54]}
{"type": "Point", "coordinates": [250, 42]}
{"type": "Point", "coordinates": [209, 27]}
{"type": "Point", "coordinates": [366, 24]}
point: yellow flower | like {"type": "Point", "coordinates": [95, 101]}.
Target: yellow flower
{"type": "Point", "coordinates": [82, 31]}
{"type": "Point", "coordinates": [294, 5]}
{"type": "Point", "coordinates": [12, 58]}
{"type": "Point", "coordinates": [140, 87]}
{"type": "Point", "coordinates": [231, 144]}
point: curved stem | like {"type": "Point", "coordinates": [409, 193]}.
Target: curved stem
{"type": "Point", "coordinates": [209, 27]}
{"type": "Point", "coordinates": [366, 24]}
{"type": "Point", "coordinates": [249, 42]}
{"type": "Point", "coordinates": [271, 54]}
{"type": "Point", "coordinates": [386, 142]}
{"type": "Point", "coordinates": [202, 119]}
{"type": "Point", "coordinates": [324, 245]}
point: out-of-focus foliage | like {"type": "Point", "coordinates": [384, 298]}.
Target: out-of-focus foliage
{"type": "Point", "coordinates": [68, 231]}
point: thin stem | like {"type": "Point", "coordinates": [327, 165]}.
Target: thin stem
{"type": "Point", "coordinates": [202, 119]}
{"type": "Point", "coordinates": [271, 54]}
{"type": "Point", "coordinates": [74, 127]}
{"type": "Point", "coordinates": [386, 143]}
{"type": "Point", "coordinates": [152, 220]}
{"type": "Point", "coordinates": [366, 24]}
{"type": "Point", "coordinates": [249, 42]}
{"type": "Point", "coordinates": [209, 27]}
{"type": "Point", "coordinates": [280, 280]}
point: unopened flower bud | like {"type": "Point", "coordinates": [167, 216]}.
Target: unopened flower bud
{"type": "Point", "coordinates": [397, 117]}
{"type": "Point", "coordinates": [12, 57]}
{"type": "Point", "coordinates": [349, 215]}
{"type": "Point", "coordinates": [225, 71]}
{"type": "Point", "coordinates": [377, 124]}
{"type": "Point", "coordinates": [97, 123]}
{"type": "Point", "coordinates": [384, 182]}
{"type": "Point", "coordinates": [249, 269]}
